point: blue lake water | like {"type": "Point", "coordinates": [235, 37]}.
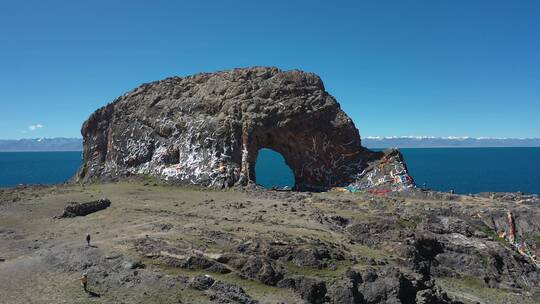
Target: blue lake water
{"type": "Point", "coordinates": [37, 167]}
{"type": "Point", "coordinates": [473, 170]}
{"type": "Point", "coordinates": [465, 170]}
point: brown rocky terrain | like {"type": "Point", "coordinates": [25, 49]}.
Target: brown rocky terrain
{"type": "Point", "coordinates": [166, 244]}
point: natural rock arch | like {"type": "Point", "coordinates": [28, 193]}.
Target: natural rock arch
{"type": "Point", "coordinates": [207, 129]}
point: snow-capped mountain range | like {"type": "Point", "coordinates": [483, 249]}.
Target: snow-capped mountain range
{"type": "Point", "coordinates": [75, 144]}
{"type": "Point", "coordinates": [41, 144]}
{"type": "Point", "coordinates": [447, 142]}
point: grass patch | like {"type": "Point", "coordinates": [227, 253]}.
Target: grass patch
{"type": "Point", "coordinates": [473, 290]}
{"type": "Point", "coordinates": [255, 289]}
{"type": "Point", "coordinates": [366, 251]}
{"type": "Point", "coordinates": [409, 223]}
{"type": "Point", "coordinates": [491, 233]}
{"type": "Point", "coordinates": [487, 230]}
{"type": "Point", "coordinates": [484, 259]}
{"type": "Point", "coordinates": [533, 239]}
{"type": "Point", "coordinates": [473, 282]}
{"type": "Point", "coordinates": [536, 240]}
{"type": "Point", "coordinates": [324, 273]}
{"type": "Point", "coordinates": [152, 180]}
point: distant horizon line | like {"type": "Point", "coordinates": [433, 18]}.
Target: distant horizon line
{"type": "Point", "coordinates": [50, 144]}
{"type": "Point", "coordinates": [447, 137]}
{"type": "Point", "coordinates": [366, 137]}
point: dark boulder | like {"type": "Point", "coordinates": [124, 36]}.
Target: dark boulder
{"type": "Point", "coordinates": [82, 209]}
{"type": "Point", "coordinates": [201, 282]}
{"type": "Point", "coordinates": [312, 290]}
{"type": "Point", "coordinates": [433, 296]}
{"type": "Point", "coordinates": [390, 285]}
{"type": "Point", "coordinates": [344, 292]}
{"type": "Point", "coordinates": [221, 292]}
{"type": "Point", "coordinates": [195, 262]}
{"type": "Point", "coordinates": [262, 270]}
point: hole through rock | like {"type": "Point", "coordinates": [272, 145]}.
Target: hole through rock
{"type": "Point", "coordinates": [272, 171]}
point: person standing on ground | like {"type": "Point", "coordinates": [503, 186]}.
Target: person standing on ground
{"type": "Point", "coordinates": [84, 281]}
{"type": "Point", "coordinates": [88, 239]}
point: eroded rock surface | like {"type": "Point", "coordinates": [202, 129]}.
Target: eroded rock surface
{"type": "Point", "coordinates": [207, 129]}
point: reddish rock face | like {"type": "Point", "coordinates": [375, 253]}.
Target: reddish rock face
{"type": "Point", "coordinates": [207, 129]}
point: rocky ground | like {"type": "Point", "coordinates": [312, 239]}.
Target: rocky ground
{"type": "Point", "coordinates": [164, 244]}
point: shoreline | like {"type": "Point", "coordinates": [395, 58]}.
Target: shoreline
{"type": "Point", "coordinates": [262, 187]}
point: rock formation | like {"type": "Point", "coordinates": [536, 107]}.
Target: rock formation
{"type": "Point", "coordinates": [81, 209]}
{"type": "Point", "coordinates": [207, 129]}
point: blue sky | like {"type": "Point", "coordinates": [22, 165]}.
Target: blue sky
{"type": "Point", "coordinates": [436, 68]}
